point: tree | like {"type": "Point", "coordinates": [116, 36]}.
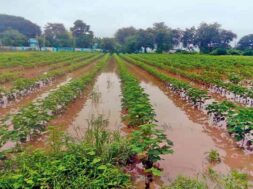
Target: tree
{"type": "Point", "coordinates": [188, 38]}
{"type": "Point", "coordinates": [144, 39]}
{"type": "Point", "coordinates": [162, 36]}
{"type": "Point", "coordinates": [177, 35]}
{"type": "Point", "coordinates": [13, 38]}
{"type": "Point", "coordinates": [211, 36]}
{"type": "Point", "coordinates": [165, 38]}
{"type": "Point", "coordinates": [246, 42]}
{"type": "Point", "coordinates": [225, 38]}
{"type": "Point", "coordinates": [82, 34]}
{"type": "Point", "coordinates": [124, 33]}
{"type": "Point", "coordinates": [19, 24]}
{"type": "Point", "coordinates": [131, 45]}
{"type": "Point", "coordinates": [56, 35]}
{"type": "Point", "coordinates": [109, 45]}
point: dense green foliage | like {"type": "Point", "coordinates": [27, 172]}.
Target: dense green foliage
{"type": "Point", "coordinates": [83, 36]}
{"type": "Point", "coordinates": [20, 24]}
{"type": "Point", "coordinates": [246, 42]}
{"type": "Point", "coordinates": [92, 163]}
{"type": "Point", "coordinates": [12, 37]}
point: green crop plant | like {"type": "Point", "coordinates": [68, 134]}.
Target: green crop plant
{"type": "Point", "coordinates": [32, 119]}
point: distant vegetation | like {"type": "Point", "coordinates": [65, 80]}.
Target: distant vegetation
{"type": "Point", "coordinates": [206, 38]}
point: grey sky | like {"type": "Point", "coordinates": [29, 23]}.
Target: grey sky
{"type": "Point", "coordinates": [106, 16]}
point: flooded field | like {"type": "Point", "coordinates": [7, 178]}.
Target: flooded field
{"type": "Point", "coordinates": [193, 133]}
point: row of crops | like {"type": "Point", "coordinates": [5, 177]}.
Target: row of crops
{"type": "Point", "coordinates": [23, 86]}
{"type": "Point", "coordinates": [238, 120]}
{"type": "Point", "coordinates": [32, 119]}
{"type": "Point", "coordinates": [103, 158]}
{"type": "Point", "coordinates": [33, 59]}
{"type": "Point", "coordinates": [225, 82]}
{"type": "Point", "coordinates": [101, 166]}
{"type": "Point", "coordinates": [14, 73]}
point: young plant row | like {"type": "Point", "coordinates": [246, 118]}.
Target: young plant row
{"type": "Point", "coordinates": [238, 121]}
{"type": "Point", "coordinates": [243, 94]}
{"type": "Point", "coordinates": [15, 75]}
{"type": "Point", "coordinates": [32, 119]}
{"type": "Point", "coordinates": [222, 66]}
{"type": "Point", "coordinates": [23, 86]}
{"type": "Point", "coordinates": [33, 59]}
{"type": "Point", "coordinates": [8, 76]}
{"type": "Point", "coordinates": [135, 102]}
{"type": "Point", "coordinates": [147, 142]}
{"type": "Point", "coordinates": [194, 95]}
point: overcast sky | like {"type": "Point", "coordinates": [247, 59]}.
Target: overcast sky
{"type": "Point", "coordinates": [106, 16]}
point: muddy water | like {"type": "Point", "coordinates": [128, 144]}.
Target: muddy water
{"type": "Point", "coordinates": [191, 133]}
{"type": "Point", "coordinates": [74, 120]}
{"type": "Point", "coordinates": [104, 100]}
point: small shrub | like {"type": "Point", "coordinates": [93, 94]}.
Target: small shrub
{"type": "Point", "coordinates": [247, 53]}
{"type": "Point", "coordinates": [219, 51]}
{"type": "Point", "coordinates": [234, 52]}
{"type": "Point", "coordinates": [186, 183]}
{"type": "Point", "coordinates": [214, 156]}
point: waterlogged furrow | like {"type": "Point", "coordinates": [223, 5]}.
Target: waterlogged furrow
{"type": "Point", "coordinates": [33, 118]}
{"type": "Point", "coordinates": [236, 120]}
{"type": "Point", "coordinates": [25, 87]}
{"type": "Point", "coordinates": [148, 142]}
{"type": "Point", "coordinates": [104, 99]}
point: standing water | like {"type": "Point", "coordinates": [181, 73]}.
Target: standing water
{"type": "Point", "coordinates": [104, 100]}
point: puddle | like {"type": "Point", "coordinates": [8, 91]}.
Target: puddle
{"type": "Point", "coordinates": [188, 128]}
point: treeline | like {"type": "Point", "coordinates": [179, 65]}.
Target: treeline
{"type": "Point", "coordinates": [206, 38]}
{"type": "Point", "coordinates": [16, 31]}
